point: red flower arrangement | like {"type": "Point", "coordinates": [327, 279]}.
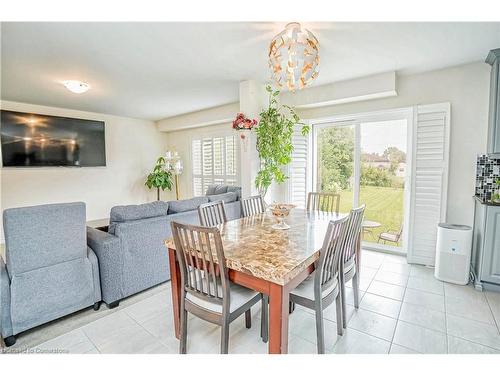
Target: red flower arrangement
{"type": "Point", "coordinates": [243, 123]}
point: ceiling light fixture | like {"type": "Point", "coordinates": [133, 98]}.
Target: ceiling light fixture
{"type": "Point", "coordinates": [76, 87]}
{"type": "Point", "coordinates": [294, 57]}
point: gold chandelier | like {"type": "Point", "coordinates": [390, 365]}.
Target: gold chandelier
{"type": "Point", "coordinates": [294, 57]}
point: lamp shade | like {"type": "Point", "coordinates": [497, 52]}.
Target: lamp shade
{"type": "Point", "coordinates": [294, 57]}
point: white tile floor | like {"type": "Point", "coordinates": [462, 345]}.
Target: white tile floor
{"type": "Point", "coordinates": [403, 310]}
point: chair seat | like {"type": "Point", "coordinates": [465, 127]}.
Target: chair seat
{"type": "Point", "coordinates": [306, 288]}
{"type": "Point", "coordinates": [389, 236]}
{"type": "Point", "coordinates": [239, 295]}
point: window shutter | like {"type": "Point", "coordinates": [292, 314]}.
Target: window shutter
{"type": "Point", "coordinates": [429, 180]}
{"type": "Point", "coordinates": [231, 159]}
{"type": "Point", "coordinates": [298, 169]}
{"type": "Point", "coordinates": [197, 167]}
{"type": "Point", "coordinates": [219, 156]}
{"type": "Point", "coordinates": [207, 163]}
{"type": "Point", "coordinates": [215, 161]}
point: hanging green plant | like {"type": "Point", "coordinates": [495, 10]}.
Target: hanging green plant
{"type": "Point", "coordinates": [160, 177]}
{"type": "Point", "coordinates": [274, 141]}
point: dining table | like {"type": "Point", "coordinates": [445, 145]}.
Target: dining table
{"type": "Point", "coordinates": [267, 260]}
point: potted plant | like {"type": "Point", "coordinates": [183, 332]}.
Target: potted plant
{"type": "Point", "coordinates": [160, 177]}
{"type": "Point", "coordinates": [274, 141]}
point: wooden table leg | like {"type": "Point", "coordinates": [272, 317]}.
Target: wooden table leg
{"type": "Point", "coordinates": [176, 290]}
{"type": "Point", "coordinates": [278, 319]}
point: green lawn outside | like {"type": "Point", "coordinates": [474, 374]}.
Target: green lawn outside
{"type": "Point", "coordinates": [383, 204]}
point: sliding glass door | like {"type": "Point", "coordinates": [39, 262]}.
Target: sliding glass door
{"type": "Point", "coordinates": [365, 161]}
{"type": "Point", "coordinates": [335, 166]}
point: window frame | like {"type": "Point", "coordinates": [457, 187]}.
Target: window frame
{"type": "Point", "coordinates": [355, 119]}
{"type": "Point", "coordinates": [223, 133]}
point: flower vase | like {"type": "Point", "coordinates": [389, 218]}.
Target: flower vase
{"type": "Point", "coordinates": [244, 139]}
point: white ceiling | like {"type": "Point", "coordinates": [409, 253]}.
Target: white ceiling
{"type": "Point", "coordinates": [158, 70]}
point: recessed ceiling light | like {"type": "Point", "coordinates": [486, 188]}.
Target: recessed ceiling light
{"type": "Point", "coordinates": [78, 87]}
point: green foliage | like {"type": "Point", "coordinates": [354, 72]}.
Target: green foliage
{"type": "Point", "coordinates": [274, 141]}
{"type": "Point", "coordinates": [336, 158]}
{"type": "Point", "coordinates": [395, 156]}
{"type": "Point", "coordinates": [383, 205]}
{"type": "Point", "coordinates": [336, 162]}
{"type": "Point", "coordinates": [159, 178]}
{"type": "Point", "coordinates": [371, 176]}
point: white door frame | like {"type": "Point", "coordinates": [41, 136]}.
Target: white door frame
{"type": "Point", "coordinates": [405, 113]}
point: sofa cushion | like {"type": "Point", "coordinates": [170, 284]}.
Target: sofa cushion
{"type": "Point", "coordinates": [226, 197]}
{"type": "Point", "coordinates": [138, 211]}
{"type": "Point", "coordinates": [48, 293]}
{"type": "Point", "coordinates": [216, 189]}
{"type": "Point", "coordinates": [186, 204]}
{"type": "Point", "coordinates": [41, 236]}
{"type": "Point", "coordinates": [236, 190]}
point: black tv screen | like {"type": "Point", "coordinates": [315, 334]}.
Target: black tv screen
{"type": "Point", "coordinates": [33, 140]}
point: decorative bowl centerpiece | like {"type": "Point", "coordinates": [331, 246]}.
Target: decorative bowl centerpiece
{"type": "Point", "coordinates": [280, 211]}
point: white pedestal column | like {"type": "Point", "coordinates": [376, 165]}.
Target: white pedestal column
{"type": "Point", "coordinates": [253, 99]}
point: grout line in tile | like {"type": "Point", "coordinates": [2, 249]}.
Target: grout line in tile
{"type": "Point", "coordinates": [364, 333]}
{"type": "Point", "coordinates": [472, 319]}
{"type": "Point", "coordinates": [380, 295]}
{"type": "Point", "coordinates": [427, 291]}
{"type": "Point", "coordinates": [473, 342]}
{"type": "Point", "coordinates": [397, 319]}
{"type": "Point", "coordinates": [140, 325]}
{"type": "Point", "coordinates": [88, 338]}
{"type": "Point", "coordinates": [379, 313]}
{"type": "Point", "coordinates": [492, 314]}
{"type": "Point", "coordinates": [392, 343]}
{"type": "Point", "coordinates": [445, 319]}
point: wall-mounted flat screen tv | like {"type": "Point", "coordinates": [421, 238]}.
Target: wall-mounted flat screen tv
{"type": "Point", "coordinates": [33, 140]}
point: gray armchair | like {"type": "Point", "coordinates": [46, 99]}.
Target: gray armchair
{"type": "Point", "coordinates": [49, 271]}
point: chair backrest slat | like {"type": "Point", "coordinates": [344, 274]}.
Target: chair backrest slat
{"type": "Point", "coordinates": [325, 202]}
{"type": "Point", "coordinates": [329, 261]}
{"type": "Point", "coordinates": [353, 233]}
{"type": "Point", "coordinates": [252, 205]}
{"type": "Point", "coordinates": [197, 270]}
{"type": "Point", "coordinates": [212, 214]}
{"type": "Point", "coordinates": [201, 259]}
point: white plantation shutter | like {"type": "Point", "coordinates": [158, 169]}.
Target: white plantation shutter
{"type": "Point", "coordinates": [298, 169]}
{"type": "Point", "coordinates": [214, 162]}
{"type": "Point", "coordinates": [429, 180]}
{"type": "Point", "coordinates": [197, 167]}
{"type": "Point", "coordinates": [231, 159]}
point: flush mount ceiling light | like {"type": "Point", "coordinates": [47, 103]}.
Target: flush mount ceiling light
{"type": "Point", "coordinates": [77, 87]}
{"type": "Point", "coordinates": [294, 57]}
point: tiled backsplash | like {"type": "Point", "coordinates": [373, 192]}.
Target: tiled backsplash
{"type": "Point", "coordinates": [487, 172]}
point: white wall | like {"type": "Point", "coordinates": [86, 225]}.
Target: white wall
{"type": "Point", "coordinates": [467, 89]}
{"type": "Point", "coordinates": [132, 147]}
{"type": "Point", "coordinates": [207, 117]}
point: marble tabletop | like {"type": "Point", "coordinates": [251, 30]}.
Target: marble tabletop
{"type": "Point", "coordinates": [252, 246]}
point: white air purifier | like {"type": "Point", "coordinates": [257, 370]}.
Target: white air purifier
{"type": "Point", "coordinates": [453, 253]}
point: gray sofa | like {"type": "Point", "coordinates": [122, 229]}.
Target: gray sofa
{"type": "Point", "coordinates": [50, 271]}
{"type": "Point", "coordinates": [132, 254]}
